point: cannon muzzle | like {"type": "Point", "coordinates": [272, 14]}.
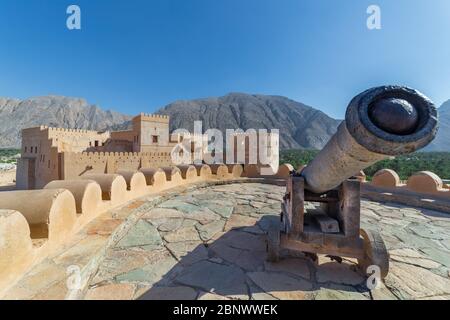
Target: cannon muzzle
{"type": "Point", "coordinates": [379, 123]}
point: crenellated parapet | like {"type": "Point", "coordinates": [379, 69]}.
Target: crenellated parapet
{"type": "Point", "coordinates": [152, 117]}
{"type": "Point", "coordinates": [35, 223]}
{"type": "Point", "coordinates": [422, 189]}
{"type": "Point", "coordinates": [123, 154]}
{"type": "Point", "coordinates": [70, 131]}
{"type": "Point", "coordinates": [75, 165]}
{"type": "Point", "coordinates": [423, 182]}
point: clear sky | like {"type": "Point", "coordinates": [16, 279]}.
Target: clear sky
{"type": "Point", "coordinates": [139, 55]}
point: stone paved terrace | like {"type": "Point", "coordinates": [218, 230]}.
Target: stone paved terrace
{"type": "Point", "coordinates": [208, 243]}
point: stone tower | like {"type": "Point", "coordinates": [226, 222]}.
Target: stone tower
{"type": "Point", "coordinates": [150, 132]}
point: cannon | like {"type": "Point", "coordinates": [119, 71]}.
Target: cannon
{"type": "Point", "coordinates": [381, 122]}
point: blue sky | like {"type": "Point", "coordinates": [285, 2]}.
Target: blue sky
{"type": "Point", "coordinates": [139, 55]}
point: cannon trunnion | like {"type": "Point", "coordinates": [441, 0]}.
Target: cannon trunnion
{"type": "Point", "coordinates": [380, 122]}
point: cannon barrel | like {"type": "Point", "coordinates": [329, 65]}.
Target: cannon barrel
{"type": "Point", "coordinates": [379, 123]}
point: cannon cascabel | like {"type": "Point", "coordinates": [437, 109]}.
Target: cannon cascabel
{"type": "Point", "coordinates": [379, 123]}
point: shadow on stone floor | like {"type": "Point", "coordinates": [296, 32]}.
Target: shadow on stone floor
{"type": "Point", "coordinates": [233, 265]}
{"type": "Point", "coordinates": [8, 188]}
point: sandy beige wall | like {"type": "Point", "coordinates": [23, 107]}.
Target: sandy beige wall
{"type": "Point", "coordinates": [52, 215]}
{"type": "Point", "coordinates": [75, 165]}
{"type": "Point", "coordinates": [423, 182]}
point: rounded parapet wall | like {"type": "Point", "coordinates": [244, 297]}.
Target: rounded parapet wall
{"type": "Point", "coordinates": [136, 182]}
{"type": "Point", "coordinates": [300, 168]}
{"type": "Point", "coordinates": [252, 171]}
{"type": "Point", "coordinates": [87, 193]}
{"type": "Point", "coordinates": [173, 174]}
{"type": "Point", "coordinates": [114, 187]}
{"type": "Point", "coordinates": [220, 171]}
{"type": "Point", "coordinates": [48, 218]}
{"type": "Point", "coordinates": [425, 182]}
{"type": "Point", "coordinates": [188, 172]}
{"type": "Point", "coordinates": [386, 178]}
{"type": "Point", "coordinates": [267, 172]}
{"type": "Point", "coordinates": [360, 176]}
{"type": "Point", "coordinates": [154, 177]}
{"type": "Point", "coordinates": [50, 213]}
{"type": "Point", "coordinates": [203, 171]}
{"type": "Point", "coordinates": [423, 189]}
{"type": "Point", "coordinates": [235, 170]}
{"type": "Point", "coordinates": [285, 170]}
{"type": "Point", "coordinates": [16, 248]}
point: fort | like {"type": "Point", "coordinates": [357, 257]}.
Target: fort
{"type": "Point", "coordinates": [65, 154]}
{"type": "Point", "coordinates": [114, 207]}
{"type": "Point", "coordinates": [61, 154]}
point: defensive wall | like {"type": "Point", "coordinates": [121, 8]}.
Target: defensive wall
{"type": "Point", "coordinates": [423, 189]}
{"type": "Point", "coordinates": [35, 223]}
{"type": "Point", "coordinates": [75, 165]}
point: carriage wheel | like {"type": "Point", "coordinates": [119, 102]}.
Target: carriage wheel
{"type": "Point", "coordinates": [273, 243]}
{"type": "Point", "coordinates": [375, 253]}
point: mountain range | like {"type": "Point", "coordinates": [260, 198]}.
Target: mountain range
{"type": "Point", "coordinates": [54, 111]}
{"type": "Point", "coordinates": [301, 126]}
{"type": "Point", "coordinates": [442, 140]}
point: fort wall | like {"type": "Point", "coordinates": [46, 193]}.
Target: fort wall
{"type": "Point", "coordinates": [34, 223]}
{"type": "Point", "coordinates": [423, 189]}
{"type": "Point", "coordinates": [75, 165]}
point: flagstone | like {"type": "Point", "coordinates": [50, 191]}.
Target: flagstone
{"type": "Point", "coordinates": [152, 272]}
{"type": "Point", "coordinates": [339, 273]}
{"type": "Point", "coordinates": [169, 293]}
{"type": "Point", "coordinates": [115, 291]}
{"type": "Point", "coordinates": [339, 292]}
{"type": "Point", "coordinates": [282, 286]}
{"type": "Point", "coordinates": [296, 267]}
{"type": "Point", "coordinates": [141, 234]}
{"type": "Point", "coordinates": [182, 234]}
{"type": "Point", "coordinates": [188, 252]}
{"type": "Point", "coordinates": [207, 231]}
{"type": "Point", "coordinates": [161, 213]}
{"type": "Point", "coordinates": [209, 276]}
{"type": "Point", "coordinates": [411, 282]}
{"type": "Point", "coordinates": [210, 244]}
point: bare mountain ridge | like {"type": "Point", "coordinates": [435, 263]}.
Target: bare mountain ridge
{"type": "Point", "coordinates": [55, 111]}
{"type": "Point", "coordinates": [442, 140]}
{"type": "Point", "coordinates": [300, 126]}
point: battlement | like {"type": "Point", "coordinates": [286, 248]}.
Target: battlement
{"type": "Point", "coordinates": [36, 223]}
{"type": "Point", "coordinates": [74, 130]}
{"type": "Point", "coordinates": [66, 130]}
{"type": "Point", "coordinates": [119, 154]}
{"type": "Point", "coordinates": [51, 153]}
{"type": "Point", "coordinates": [152, 117]}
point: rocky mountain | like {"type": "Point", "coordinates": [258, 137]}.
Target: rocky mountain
{"type": "Point", "coordinates": [55, 111]}
{"type": "Point", "coordinates": [442, 140]}
{"type": "Point", "coordinates": [300, 126]}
